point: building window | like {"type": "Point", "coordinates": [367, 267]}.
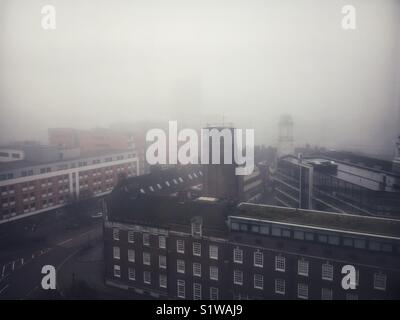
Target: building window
{"type": "Point", "coordinates": [276, 231]}
{"type": "Point", "coordinates": [326, 294]}
{"type": "Point", "coordinates": [258, 281]}
{"type": "Point", "coordinates": [380, 281]}
{"type": "Point", "coordinates": [238, 277]}
{"type": "Point", "coordinates": [334, 240]}
{"type": "Point", "coordinates": [237, 255]}
{"type": "Point", "coordinates": [280, 286]}
{"type": "Point", "coordinates": [214, 273]}
{"type": "Point", "coordinates": [116, 253]}
{"type": "Point", "coordinates": [348, 242]}
{"type": "Point", "coordinates": [161, 242]}
{"type": "Point", "coordinates": [146, 258]}
{"type": "Point", "coordinates": [180, 246]}
{"type": "Point", "coordinates": [302, 268]}
{"type": "Point", "coordinates": [197, 249]}
{"type": "Point", "coordinates": [197, 269]}
{"type": "Point", "coordinates": [163, 280]}
{"type": "Point", "coordinates": [302, 291]}
{"type": "Point", "coordinates": [131, 274]}
{"type": "Point", "coordinates": [258, 259]}
{"type": "Point", "coordinates": [162, 262]}
{"type": "Point", "coordinates": [131, 255]}
{"type": "Point", "coordinates": [214, 252]}
{"type": "Point", "coordinates": [196, 291]}
{"type": "Point", "coordinates": [359, 243]}
{"type": "Point", "coordinates": [280, 263]}
{"type": "Point", "coordinates": [147, 277]}
{"type": "Point", "coordinates": [131, 236]}
{"type": "Point", "coordinates": [235, 226]}
{"type": "Point", "coordinates": [181, 288]}
{"type": "Point", "coordinates": [375, 246]}
{"type": "Point", "coordinates": [117, 271]}
{"type": "Point", "coordinates": [213, 293]}
{"type": "Point", "coordinates": [180, 266]}
{"type": "Point", "coordinates": [146, 239]}
{"type": "Point", "coordinates": [197, 228]}
{"type": "Point", "coordinates": [298, 235]}
{"type": "Point", "coordinates": [327, 271]}
{"type": "Point", "coordinates": [116, 234]}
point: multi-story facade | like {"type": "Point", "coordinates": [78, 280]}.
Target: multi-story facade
{"type": "Point", "coordinates": [30, 187]}
{"type": "Point", "coordinates": [252, 186]}
{"type": "Point", "coordinates": [336, 186]}
{"type": "Point", "coordinates": [204, 248]}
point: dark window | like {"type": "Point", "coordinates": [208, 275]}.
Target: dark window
{"type": "Point", "coordinates": [309, 236]}
{"type": "Point", "coordinates": [348, 242]}
{"type": "Point", "coordinates": [373, 245]}
{"type": "Point", "coordinates": [322, 238]}
{"type": "Point", "coordinates": [286, 233]}
{"type": "Point", "coordinates": [359, 243]}
{"type": "Point", "coordinates": [276, 231]}
{"type": "Point", "coordinates": [299, 235]}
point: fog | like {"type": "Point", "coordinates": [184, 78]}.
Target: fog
{"type": "Point", "coordinates": [245, 62]}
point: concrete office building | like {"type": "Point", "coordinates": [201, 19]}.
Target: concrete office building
{"type": "Point", "coordinates": [336, 185]}
{"type": "Point", "coordinates": [45, 178]}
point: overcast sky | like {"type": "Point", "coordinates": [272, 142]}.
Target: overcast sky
{"type": "Point", "coordinates": [245, 62]}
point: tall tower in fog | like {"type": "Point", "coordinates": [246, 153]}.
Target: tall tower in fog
{"type": "Point", "coordinates": [285, 135]}
{"type": "Point", "coordinates": [220, 180]}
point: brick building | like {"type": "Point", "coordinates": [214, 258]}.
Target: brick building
{"type": "Point", "coordinates": [205, 248]}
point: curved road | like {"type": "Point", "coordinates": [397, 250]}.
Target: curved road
{"type": "Point", "coordinates": [20, 274]}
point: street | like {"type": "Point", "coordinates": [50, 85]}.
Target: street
{"type": "Point", "coordinates": [20, 270]}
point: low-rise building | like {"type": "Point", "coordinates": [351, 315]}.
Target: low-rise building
{"type": "Point", "coordinates": [204, 248]}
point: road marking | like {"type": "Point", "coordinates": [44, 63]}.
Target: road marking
{"type": "Point", "coordinates": [4, 288]}
{"type": "Point", "coordinates": [2, 272]}
{"type": "Point", "coordinates": [77, 236]}
{"type": "Point", "coordinates": [64, 242]}
{"type": "Point", "coordinates": [90, 231]}
{"type": "Point", "coordinates": [13, 265]}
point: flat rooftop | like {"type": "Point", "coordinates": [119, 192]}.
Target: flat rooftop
{"type": "Point", "coordinates": [20, 164]}
{"type": "Point", "coordinates": [323, 220]}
